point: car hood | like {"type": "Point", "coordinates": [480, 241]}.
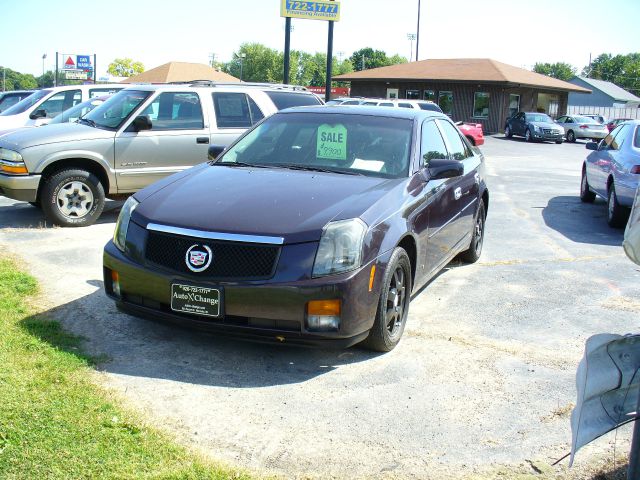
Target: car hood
{"type": "Point", "coordinates": [292, 204]}
{"type": "Point", "coordinates": [58, 133]}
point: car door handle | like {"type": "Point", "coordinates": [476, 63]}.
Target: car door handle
{"type": "Point", "coordinates": [202, 140]}
{"type": "Point", "coordinates": [457, 193]}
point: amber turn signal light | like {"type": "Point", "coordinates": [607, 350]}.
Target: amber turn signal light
{"type": "Point", "coordinates": [323, 307]}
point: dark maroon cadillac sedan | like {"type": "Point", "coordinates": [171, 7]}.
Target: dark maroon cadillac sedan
{"type": "Point", "coordinates": [313, 228]}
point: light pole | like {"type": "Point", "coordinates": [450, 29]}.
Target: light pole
{"type": "Point", "coordinates": [418, 32]}
{"type": "Point", "coordinates": [411, 37]}
{"type": "Point", "coordinates": [44, 55]}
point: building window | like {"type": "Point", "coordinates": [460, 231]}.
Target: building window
{"type": "Point", "coordinates": [514, 104]}
{"type": "Point", "coordinates": [445, 101]}
{"type": "Point", "coordinates": [480, 105]}
{"type": "Point", "coordinates": [429, 95]}
{"type": "Point", "coordinates": [413, 94]}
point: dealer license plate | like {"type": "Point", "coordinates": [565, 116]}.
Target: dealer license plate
{"type": "Point", "coordinates": [196, 300]}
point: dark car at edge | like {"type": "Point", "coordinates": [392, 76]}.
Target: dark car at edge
{"type": "Point", "coordinates": [313, 228]}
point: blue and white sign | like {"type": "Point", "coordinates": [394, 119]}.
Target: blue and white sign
{"type": "Point", "coordinates": [83, 62]}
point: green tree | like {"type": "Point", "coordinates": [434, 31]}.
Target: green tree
{"type": "Point", "coordinates": [125, 67]}
{"type": "Point", "coordinates": [367, 58]}
{"type": "Point", "coordinates": [256, 63]}
{"type": "Point", "coordinates": [559, 70]}
{"type": "Point", "coordinates": [46, 80]}
{"type": "Point", "coordinates": [18, 81]}
{"type": "Point", "coordinates": [623, 70]}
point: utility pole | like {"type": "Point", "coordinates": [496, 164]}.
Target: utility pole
{"type": "Point", "coordinates": [362, 62]}
{"type": "Point", "coordinates": [44, 55]}
{"type": "Point", "coordinates": [287, 49]}
{"type": "Point", "coordinates": [212, 59]}
{"type": "Point", "coordinates": [411, 37]}
{"type": "Point", "coordinates": [418, 32]}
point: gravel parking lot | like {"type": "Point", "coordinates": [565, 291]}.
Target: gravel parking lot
{"type": "Point", "coordinates": [483, 379]}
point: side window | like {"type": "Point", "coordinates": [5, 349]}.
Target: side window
{"type": "Point", "coordinates": [60, 102]}
{"type": "Point", "coordinates": [429, 95]}
{"type": "Point", "coordinates": [608, 142]}
{"type": "Point", "coordinates": [98, 92]}
{"type": "Point", "coordinates": [175, 111]}
{"type": "Point", "coordinates": [457, 147]}
{"type": "Point", "coordinates": [569, 120]}
{"type": "Point", "coordinates": [561, 119]}
{"type": "Point", "coordinates": [618, 137]}
{"type": "Point", "coordinates": [235, 110]}
{"type": "Point", "coordinates": [413, 94]}
{"type": "Point", "coordinates": [405, 105]}
{"type": "Point", "coordinates": [431, 143]}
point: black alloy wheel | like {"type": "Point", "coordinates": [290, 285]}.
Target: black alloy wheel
{"type": "Point", "coordinates": [393, 306]}
{"type": "Point", "coordinates": [472, 254]}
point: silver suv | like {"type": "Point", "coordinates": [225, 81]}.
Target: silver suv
{"type": "Point", "coordinates": [138, 136]}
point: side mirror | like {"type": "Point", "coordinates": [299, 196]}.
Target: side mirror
{"type": "Point", "coordinates": [141, 122]}
{"type": "Point", "coordinates": [440, 168]}
{"type": "Point", "coordinates": [214, 151]}
{"type": "Point", "coordinates": [41, 113]}
{"type": "Point", "coordinates": [592, 145]}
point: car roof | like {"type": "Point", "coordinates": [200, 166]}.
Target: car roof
{"type": "Point", "coordinates": [407, 113]}
{"type": "Point", "coordinates": [211, 85]}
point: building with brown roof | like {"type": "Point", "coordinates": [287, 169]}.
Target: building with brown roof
{"type": "Point", "coordinates": [181, 72]}
{"type": "Point", "coordinates": [478, 90]}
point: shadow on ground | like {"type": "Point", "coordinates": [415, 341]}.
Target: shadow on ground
{"type": "Point", "coordinates": [144, 348]}
{"type": "Point", "coordinates": [581, 222]}
{"type": "Point", "coordinates": [25, 215]}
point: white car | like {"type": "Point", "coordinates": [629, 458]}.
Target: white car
{"type": "Point", "coordinates": [40, 107]}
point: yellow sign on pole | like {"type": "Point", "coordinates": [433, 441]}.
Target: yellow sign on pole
{"type": "Point", "coordinates": [318, 10]}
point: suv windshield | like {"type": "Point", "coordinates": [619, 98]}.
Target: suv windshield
{"type": "Point", "coordinates": [538, 117]}
{"type": "Point", "coordinates": [113, 113]}
{"type": "Point", "coordinates": [351, 144]}
{"type": "Point", "coordinates": [26, 103]}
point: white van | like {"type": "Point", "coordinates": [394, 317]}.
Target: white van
{"type": "Point", "coordinates": [41, 106]}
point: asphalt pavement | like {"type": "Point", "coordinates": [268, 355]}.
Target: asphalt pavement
{"type": "Point", "coordinates": [482, 380]}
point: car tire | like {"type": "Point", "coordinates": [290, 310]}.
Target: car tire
{"type": "Point", "coordinates": [527, 136]}
{"type": "Point", "coordinates": [393, 305]}
{"type": "Point", "coordinates": [571, 137]}
{"type": "Point", "coordinates": [72, 198]}
{"type": "Point", "coordinates": [616, 213]}
{"type": "Point", "coordinates": [507, 132]}
{"type": "Point", "coordinates": [36, 204]}
{"type": "Point", "coordinates": [472, 254]}
{"type": "Point", "coordinates": [586, 195]}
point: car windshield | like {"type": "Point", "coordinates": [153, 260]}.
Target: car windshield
{"type": "Point", "coordinates": [588, 120]}
{"type": "Point", "coordinates": [115, 111]}
{"type": "Point", "coordinates": [74, 113]}
{"type": "Point", "coordinates": [538, 117]}
{"type": "Point", "coordinates": [24, 104]}
{"type": "Point", "coordinates": [352, 144]}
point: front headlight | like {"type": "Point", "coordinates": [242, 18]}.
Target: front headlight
{"type": "Point", "coordinates": [340, 248]}
{"type": "Point", "coordinates": [122, 225]}
{"type": "Point", "coordinates": [12, 162]}
{"type": "Point", "coordinates": [536, 128]}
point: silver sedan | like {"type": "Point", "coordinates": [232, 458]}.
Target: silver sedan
{"type": "Point", "coordinates": [577, 126]}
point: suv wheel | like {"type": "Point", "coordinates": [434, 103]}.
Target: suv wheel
{"type": "Point", "coordinates": [393, 306]}
{"type": "Point", "coordinates": [616, 214]}
{"type": "Point", "coordinates": [72, 198]}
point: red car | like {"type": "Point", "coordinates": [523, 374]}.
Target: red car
{"type": "Point", "coordinates": [473, 132]}
{"type": "Point", "coordinates": [615, 122]}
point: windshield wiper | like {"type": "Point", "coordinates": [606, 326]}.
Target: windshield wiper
{"type": "Point", "coordinates": [89, 122]}
{"type": "Point", "coordinates": [239, 164]}
{"type": "Point", "coordinates": [315, 169]}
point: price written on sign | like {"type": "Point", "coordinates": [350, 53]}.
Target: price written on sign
{"type": "Point", "coordinates": [321, 10]}
{"type": "Point", "coordinates": [332, 142]}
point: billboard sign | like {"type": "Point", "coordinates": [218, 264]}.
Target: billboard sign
{"type": "Point", "coordinates": [76, 75]}
{"type": "Point", "coordinates": [319, 10]}
{"type": "Point", "coordinates": [77, 62]}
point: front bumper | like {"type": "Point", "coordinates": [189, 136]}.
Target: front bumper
{"type": "Point", "coordinates": [20, 187]}
{"type": "Point", "coordinates": [547, 135]}
{"type": "Point", "coordinates": [264, 311]}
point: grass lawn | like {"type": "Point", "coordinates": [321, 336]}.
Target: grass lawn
{"type": "Point", "coordinates": [56, 423]}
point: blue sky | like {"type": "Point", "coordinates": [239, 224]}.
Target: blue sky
{"type": "Point", "coordinates": [155, 32]}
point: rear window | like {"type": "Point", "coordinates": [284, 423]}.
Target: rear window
{"type": "Point", "coordinates": [284, 100]}
{"type": "Point", "coordinates": [432, 107]}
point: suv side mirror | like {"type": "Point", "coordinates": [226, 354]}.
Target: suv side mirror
{"type": "Point", "coordinates": [439, 168]}
{"type": "Point", "coordinates": [214, 151]}
{"type": "Point", "coordinates": [41, 113]}
{"type": "Point", "coordinates": [141, 122]}
{"type": "Point", "coordinates": [592, 146]}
